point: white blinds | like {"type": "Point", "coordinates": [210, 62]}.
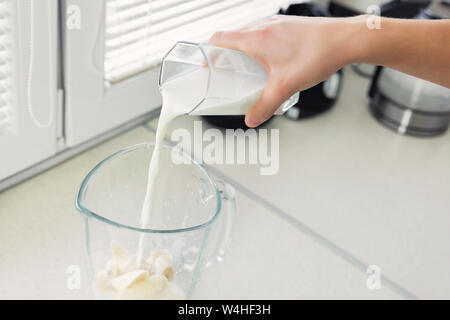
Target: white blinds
{"type": "Point", "coordinates": [6, 107]}
{"type": "Point", "coordinates": [139, 32]}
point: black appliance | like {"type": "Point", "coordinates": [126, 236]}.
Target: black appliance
{"type": "Point", "coordinates": [322, 96]}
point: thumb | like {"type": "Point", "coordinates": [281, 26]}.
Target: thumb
{"type": "Point", "coordinates": [271, 99]}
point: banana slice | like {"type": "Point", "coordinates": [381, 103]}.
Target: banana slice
{"type": "Point", "coordinates": [132, 281]}
{"type": "Point", "coordinates": [118, 252]}
{"type": "Point", "coordinates": [161, 263]}
{"type": "Point", "coordinates": [127, 265]}
{"type": "Point", "coordinates": [158, 253]}
{"type": "Point", "coordinates": [128, 279]}
{"type": "Point", "coordinates": [131, 265]}
{"type": "Point", "coordinates": [104, 281]}
{"type": "Point", "coordinates": [112, 269]}
{"type": "Point", "coordinates": [151, 288]}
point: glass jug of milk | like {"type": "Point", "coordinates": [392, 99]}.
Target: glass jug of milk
{"type": "Point", "coordinates": [211, 80]}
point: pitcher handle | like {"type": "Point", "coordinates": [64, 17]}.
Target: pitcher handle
{"type": "Point", "coordinates": [228, 195]}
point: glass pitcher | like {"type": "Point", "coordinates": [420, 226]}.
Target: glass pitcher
{"type": "Point", "coordinates": [216, 81]}
{"type": "Point", "coordinates": [191, 222]}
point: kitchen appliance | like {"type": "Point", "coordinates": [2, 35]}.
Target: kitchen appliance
{"type": "Point", "coordinates": [227, 82]}
{"type": "Point", "coordinates": [395, 8]}
{"type": "Point", "coordinates": [192, 214]}
{"type": "Point", "coordinates": [74, 73]}
{"type": "Point", "coordinates": [407, 104]}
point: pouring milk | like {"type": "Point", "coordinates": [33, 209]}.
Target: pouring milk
{"type": "Point", "coordinates": [201, 79]}
{"type": "Point", "coordinates": [174, 100]}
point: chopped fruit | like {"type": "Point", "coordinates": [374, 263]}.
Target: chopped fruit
{"type": "Point", "coordinates": [148, 280]}
{"type": "Point", "coordinates": [124, 281]}
{"type": "Point", "coordinates": [118, 252]}
{"type": "Point", "coordinates": [152, 288]}
{"type": "Point", "coordinates": [130, 264]}
{"type": "Point", "coordinates": [104, 281]}
{"type": "Point", "coordinates": [163, 265]}
{"type": "Point", "coordinates": [112, 269]}
{"type": "Point", "coordinates": [158, 253]}
{"type": "Point", "coordinates": [127, 265]}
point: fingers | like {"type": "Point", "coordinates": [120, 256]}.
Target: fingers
{"type": "Point", "coordinates": [272, 96]}
{"type": "Point", "coordinates": [229, 39]}
{"type": "Point", "coordinates": [271, 99]}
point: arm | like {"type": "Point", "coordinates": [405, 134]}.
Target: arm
{"type": "Point", "coordinates": [299, 52]}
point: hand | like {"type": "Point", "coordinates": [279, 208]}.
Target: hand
{"type": "Point", "coordinates": [300, 52]}
{"type": "Point", "coordinates": [297, 53]}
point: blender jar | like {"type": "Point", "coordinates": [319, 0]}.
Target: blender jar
{"type": "Point", "coordinates": [191, 222]}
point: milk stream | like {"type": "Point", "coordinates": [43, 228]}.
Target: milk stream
{"type": "Point", "coordinates": [177, 100]}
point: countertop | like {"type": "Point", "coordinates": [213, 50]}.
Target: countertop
{"type": "Point", "coordinates": [349, 194]}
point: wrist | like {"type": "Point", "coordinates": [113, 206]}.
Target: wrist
{"type": "Point", "coordinates": [348, 39]}
{"type": "Point", "coordinates": [361, 44]}
{"type": "Point", "coordinates": [375, 39]}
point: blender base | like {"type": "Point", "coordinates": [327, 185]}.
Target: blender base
{"type": "Point", "coordinates": [408, 121]}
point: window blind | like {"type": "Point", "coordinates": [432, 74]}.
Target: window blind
{"type": "Point", "coordinates": [139, 32]}
{"type": "Point", "coordinates": [6, 107]}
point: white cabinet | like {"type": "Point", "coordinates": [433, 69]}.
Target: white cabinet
{"type": "Point", "coordinates": [28, 42]}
